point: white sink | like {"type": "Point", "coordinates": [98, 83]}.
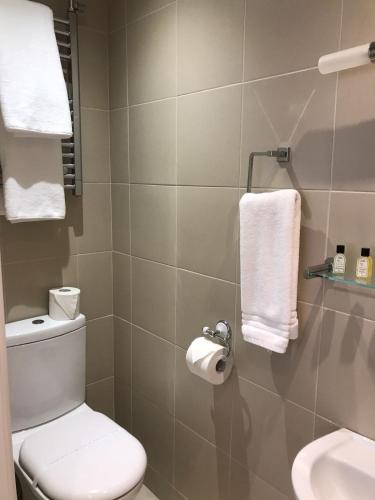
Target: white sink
{"type": "Point", "coordinates": [339, 466]}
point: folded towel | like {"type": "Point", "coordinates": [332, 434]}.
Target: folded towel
{"type": "Point", "coordinates": [269, 249]}
{"type": "Point", "coordinates": [32, 177]}
{"type": "Point", "coordinates": [33, 95]}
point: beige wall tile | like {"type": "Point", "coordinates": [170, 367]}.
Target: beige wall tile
{"type": "Point", "coordinates": [99, 349]}
{"type": "Point", "coordinates": [121, 217]}
{"type": "Point", "coordinates": [140, 8]}
{"type": "Point", "coordinates": [154, 297]}
{"type": "Point", "coordinates": [95, 282]}
{"type": "Point", "coordinates": [212, 421]}
{"type": "Point", "coordinates": [121, 286]}
{"type": "Point", "coordinates": [153, 368]}
{"type": "Point", "coordinates": [296, 110]}
{"type": "Point", "coordinates": [202, 471]}
{"type": "Point", "coordinates": [95, 15]}
{"type": "Point", "coordinates": [95, 145]}
{"type": "Point", "coordinates": [323, 427]}
{"type": "Point", "coordinates": [153, 222]}
{"type": "Point", "coordinates": [95, 234]}
{"type": "Point", "coordinates": [158, 445]}
{"type": "Point", "coordinates": [346, 372]}
{"type": "Point", "coordinates": [152, 56]}
{"type": "Point", "coordinates": [358, 23]}
{"type": "Point", "coordinates": [210, 43]}
{"type": "Point", "coordinates": [99, 396]}
{"type": "Point", "coordinates": [292, 375]}
{"type": "Point", "coordinates": [152, 142]}
{"type": "Point", "coordinates": [119, 145]}
{"type": "Point", "coordinates": [209, 136]}
{"type": "Point", "coordinates": [207, 218]}
{"type": "Point", "coordinates": [117, 69]}
{"type": "Point", "coordinates": [272, 49]}
{"type": "Point", "coordinates": [160, 487]}
{"type": "Point", "coordinates": [201, 301]}
{"type": "Point", "coordinates": [267, 433]}
{"type": "Point", "coordinates": [122, 362]}
{"type": "Point", "coordinates": [117, 14]}
{"type": "Point", "coordinates": [347, 227]}
{"type": "Point", "coordinates": [93, 54]}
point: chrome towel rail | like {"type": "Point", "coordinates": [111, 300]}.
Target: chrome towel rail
{"type": "Point", "coordinates": [281, 154]}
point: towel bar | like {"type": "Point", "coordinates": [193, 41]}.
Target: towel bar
{"type": "Point", "coordinates": [282, 155]}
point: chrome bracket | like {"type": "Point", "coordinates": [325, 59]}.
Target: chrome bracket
{"type": "Point", "coordinates": [313, 271]}
{"type": "Point", "coordinates": [221, 335]}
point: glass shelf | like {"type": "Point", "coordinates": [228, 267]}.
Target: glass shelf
{"type": "Point", "coordinates": [345, 280]}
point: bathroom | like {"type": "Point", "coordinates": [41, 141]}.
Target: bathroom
{"type": "Point", "coordinates": [174, 96]}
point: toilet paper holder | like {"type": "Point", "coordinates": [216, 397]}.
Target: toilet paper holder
{"type": "Point", "coordinates": [221, 335]}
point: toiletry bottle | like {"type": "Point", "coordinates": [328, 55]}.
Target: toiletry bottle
{"type": "Point", "coordinates": [364, 265]}
{"type": "Point", "coordinates": [339, 262]}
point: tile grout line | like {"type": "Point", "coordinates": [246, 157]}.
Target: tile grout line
{"type": "Point", "coordinates": [149, 14]}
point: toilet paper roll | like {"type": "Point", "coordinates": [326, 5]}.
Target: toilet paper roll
{"type": "Point", "coordinates": [208, 360]}
{"type": "Point", "coordinates": [64, 303]}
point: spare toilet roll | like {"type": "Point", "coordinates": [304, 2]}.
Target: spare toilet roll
{"type": "Point", "coordinates": [208, 360]}
{"type": "Point", "coordinates": [64, 303]}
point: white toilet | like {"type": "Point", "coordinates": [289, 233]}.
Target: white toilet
{"type": "Point", "coordinates": [62, 449]}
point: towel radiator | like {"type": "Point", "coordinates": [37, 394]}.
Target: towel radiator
{"type": "Point", "coordinates": [66, 31]}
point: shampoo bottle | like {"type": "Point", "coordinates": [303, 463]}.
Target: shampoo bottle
{"type": "Point", "coordinates": [364, 265]}
{"type": "Point", "coordinates": [339, 262]}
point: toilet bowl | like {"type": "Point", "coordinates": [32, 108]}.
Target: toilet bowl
{"type": "Point", "coordinates": [63, 449]}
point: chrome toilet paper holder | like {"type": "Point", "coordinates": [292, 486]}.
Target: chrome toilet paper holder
{"type": "Point", "coordinates": [221, 335]}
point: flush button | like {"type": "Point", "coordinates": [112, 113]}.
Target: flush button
{"type": "Point", "coordinates": [38, 321]}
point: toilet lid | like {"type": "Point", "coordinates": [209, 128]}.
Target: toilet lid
{"type": "Point", "coordinates": [83, 456]}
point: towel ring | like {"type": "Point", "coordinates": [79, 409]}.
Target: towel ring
{"type": "Point", "coordinates": [281, 154]}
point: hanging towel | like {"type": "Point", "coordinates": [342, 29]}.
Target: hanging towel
{"type": "Point", "coordinates": [269, 252]}
{"type": "Point", "coordinates": [33, 95]}
{"type": "Point", "coordinates": [32, 177]}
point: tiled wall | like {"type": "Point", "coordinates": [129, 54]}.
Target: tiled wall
{"type": "Point", "coordinates": [196, 85]}
{"type": "Point", "coordinates": [76, 251]}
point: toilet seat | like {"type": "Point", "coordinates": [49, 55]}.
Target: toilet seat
{"type": "Point", "coordinates": [82, 455]}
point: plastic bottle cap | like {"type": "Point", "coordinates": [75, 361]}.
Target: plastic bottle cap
{"type": "Point", "coordinates": [365, 252]}
{"type": "Point", "coordinates": [340, 249]}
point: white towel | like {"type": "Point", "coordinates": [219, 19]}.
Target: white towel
{"type": "Point", "coordinates": [269, 248]}
{"type": "Point", "coordinates": [32, 177]}
{"type": "Point", "coordinates": [33, 95]}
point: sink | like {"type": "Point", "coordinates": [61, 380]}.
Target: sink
{"type": "Point", "coordinates": [338, 466]}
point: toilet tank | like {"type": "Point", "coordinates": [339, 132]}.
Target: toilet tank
{"type": "Point", "coordinates": [46, 363]}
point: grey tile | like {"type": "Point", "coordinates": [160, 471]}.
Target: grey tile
{"type": "Point", "coordinates": [247, 486]}
{"type": "Point", "coordinates": [207, 221]}
{"type": "Point", "coordinates": [99, 396]}
{"type": "Point", "coordinates": [153, 369]}
{"type": "Point", "coordinates": [96, 234]}
{"type": "Point", "coordinates": [153, 222]}
{"type": "Point", "coordinates": [292, 375]}
{"type": "Point", "coordinates": [270, 50]}
{"type": "Point", "coordinates": [212, 421]}
{"type": "Point", "coordinates": [117, 69]}
{"type": "Point", "coordinates": [26, 285]}
{"type": "Point", "coordinates": [158, 445]}
{"type": "Point", "coordinates": [201, 301]}
{"type": "Point", "coordinates": [355, 128]}
{"type": "Point", "coordinates": [94, 15]}
{"type": "Point", "coordinates": [117, 14]}
{"type": "Point", "coordinates": [357, 23]}
{"type": "Point", "coordinates": [152, 142]}
{"type": "Point", "coordinates": [346, 227]}
{"type": "Point", "coordinates": [314, 214]}
{"type": "Point", "coordinates": [267, 433]}
{"type": "Point", "coordinates": [93, 56]}
{"type": "Point", "coordinates": [346, 372]}
{"type": "Point", "coordinates": [58, 7]}
{"type": "Point", "coordinates": [122, 367]}
{"type": "Point", "coordinates": [209, 136]}
{"type": "Point", "coordinates": [121, 286]}
{"type": "Point", "coordinates": [296, 110]}
{"type": "Point", "coordinates": [201, 470]}
{"type": "Point", "coordinates": [95, 145]}
{"type": "Point", "coordinates": [99, 349]}
{"type": "Point", "coordinates": [323, 427]}
{"type": "Point", "coordinates": [160, 486]}
{"type": "Point", "coordinates": [140, 8]}
{"type": "Point", "coordinates": [154, 297]}
{"type": "Point", "coordinates": [152, 56]}
{"type": "Point", "coordinates": [95, 282]}
{"type": "Point", "coordinates": [119, 145]}
{"type": "Point", "coordinates": [121, 217]}
{"type": "Point", "coordinates": [210, 43]}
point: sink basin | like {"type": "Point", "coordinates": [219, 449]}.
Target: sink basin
{"type": "Point", "coordinates": [339, 466]}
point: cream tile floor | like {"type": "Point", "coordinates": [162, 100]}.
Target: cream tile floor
{"type": "Point", "coordinates": [146, 494]}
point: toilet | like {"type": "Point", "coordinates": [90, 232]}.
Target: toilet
{"type": "Point", "coordinates": [62, 449]}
